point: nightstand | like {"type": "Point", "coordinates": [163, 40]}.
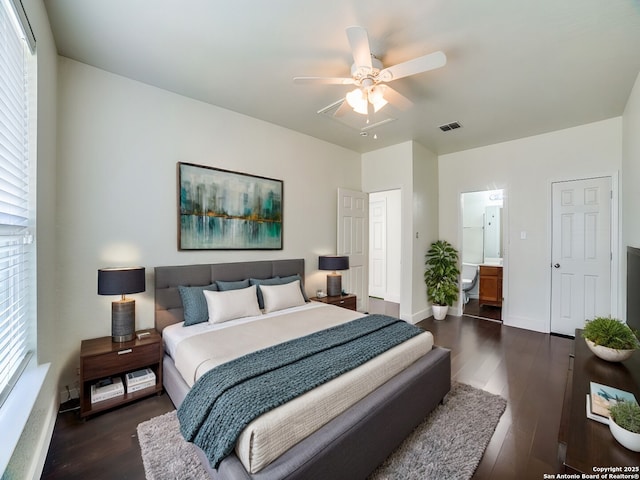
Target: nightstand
{"type": "Point", "coordinates": [346, 301]}
{"type": "Point", "coordinates": [101, 358]}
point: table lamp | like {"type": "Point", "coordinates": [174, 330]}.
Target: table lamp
{"type": "Point", "coordinates": [121, 281]}
{"type": "Point", "coordinates": [334, 280]}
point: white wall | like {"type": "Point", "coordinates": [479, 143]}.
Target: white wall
{"type": "Point", "coordinates": [118, 145]}
{"type": "Point", "coordinates": [524, 169]}
{"type": "Point", "coordinates": [413, 169]}
{"type": "Point", "coordinates": [630, 180]}
{"type": "Point", "coordinates": [425, 224]}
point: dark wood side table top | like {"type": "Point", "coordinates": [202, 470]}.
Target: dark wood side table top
{"type": "Point", "coordinates": [348, 300]}
{"type": "Point", "coordinates": [589, 443]}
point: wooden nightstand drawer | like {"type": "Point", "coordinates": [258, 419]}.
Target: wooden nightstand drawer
{"type": "Point", "coordinates": [345, 301]}
{"type": "Point", "coordinates": [121, 360]}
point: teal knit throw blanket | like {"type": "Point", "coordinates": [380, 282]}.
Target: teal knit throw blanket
{"type": "Point", "coordinates": [227, 398]}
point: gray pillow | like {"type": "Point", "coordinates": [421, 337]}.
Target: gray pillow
{"type": "Point", "coordinates": [264, 281]}
{"type": "Point", "coordinates": [225, 286]}
{"type": "Point", "coordinates": [194, 303]}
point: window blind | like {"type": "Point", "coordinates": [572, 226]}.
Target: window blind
{"type": "Point", "coordinates": [15, 237]}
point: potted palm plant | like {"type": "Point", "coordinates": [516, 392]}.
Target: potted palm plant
{"type": "Point", "coordinates": [625, 424]}
{"type": "Point", "coordinates": [610, 339]}
{"type": "Point", "coordinates": [441, 277]}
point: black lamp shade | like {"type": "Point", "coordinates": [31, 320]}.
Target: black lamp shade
{"type": "Point", "coordinates": [120, 281]}
{"type": "Point", "coordinates": [333, 262]}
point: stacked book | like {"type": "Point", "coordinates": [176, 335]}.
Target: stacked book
{"type": "Point", "coordinates": [106, 389]}
{"type": "Point", "coordinates": [140, 379]}
{"type": "Point", "coordinates": [601, 397]}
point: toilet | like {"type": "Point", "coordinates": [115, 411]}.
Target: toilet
{"type": "Point", "coordinates": [469, 279]}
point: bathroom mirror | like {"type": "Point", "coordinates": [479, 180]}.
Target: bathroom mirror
{"type": "Point", "coordinates": [482, 227]}
{"type": "Point", "coordinates": [493, 233]}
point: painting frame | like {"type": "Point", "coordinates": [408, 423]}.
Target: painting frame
{"type": "Point", "coordinates": [222, 209]}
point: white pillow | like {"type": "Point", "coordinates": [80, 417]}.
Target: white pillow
{"type": "Point", "coordinates": [278, 297]}
{"type": "Point", "coordinates": [231, 304]}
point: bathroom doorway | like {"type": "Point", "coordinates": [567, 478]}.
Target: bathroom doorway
{"type": "Point", "coordinates": [482, 253]}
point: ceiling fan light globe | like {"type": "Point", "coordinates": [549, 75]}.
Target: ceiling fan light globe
{"type": "Point", "coordinates": [376, 98]}
{"type": "Point", "coordinates": [377, 105]}
{"type": "Point", "coordinates": [355, 98]}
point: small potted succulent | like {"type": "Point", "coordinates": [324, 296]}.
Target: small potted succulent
{"type": "Point", "coordinates": [441, 277]}
{"type": "Point", "coordinates": [610, 339]}
{"type": "Point", "coordinates": [625, 424]}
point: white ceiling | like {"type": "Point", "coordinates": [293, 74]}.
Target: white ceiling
{"type": "Point", "coordinates": [514, 69]}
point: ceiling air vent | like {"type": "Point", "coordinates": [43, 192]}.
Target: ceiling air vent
{"type": "Point", "coordinates": [450, 126]}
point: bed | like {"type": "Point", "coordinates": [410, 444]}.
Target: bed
{"type": "Point", "coordinates": [359, 436]}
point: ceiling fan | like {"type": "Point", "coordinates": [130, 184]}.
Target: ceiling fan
{"type": "Point", "coordinates": [370, 77]}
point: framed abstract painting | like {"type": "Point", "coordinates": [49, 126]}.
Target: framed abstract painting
{"type": "Point", "coordinates": [224, 210]}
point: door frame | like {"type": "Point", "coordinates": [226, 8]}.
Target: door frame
{"type": "Point", "coordinates": [459, 306]}
{"type": "Point", "coordinates": [615, 238]}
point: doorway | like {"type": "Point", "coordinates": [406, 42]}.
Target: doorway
{"type": "Point", "coordinates": [482, 253]}
{"type": "Point", "coordinates": [385, 263]}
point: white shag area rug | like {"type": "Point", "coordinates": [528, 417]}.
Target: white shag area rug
{"type": "Point", "coordinates": [448, 444]}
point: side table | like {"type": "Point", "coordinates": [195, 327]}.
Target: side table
{"type": "Point", "coordinates": [346, 301]}
{"type": "Point", "coordinates": [101, 358]}
{"type": "Point", "coordinates": [585, 443]}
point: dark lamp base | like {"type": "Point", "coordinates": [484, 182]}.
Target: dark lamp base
{"type": "Point", "coordinates": [334, 284]}
{"type": "Point", "coordinates": [123, 320]}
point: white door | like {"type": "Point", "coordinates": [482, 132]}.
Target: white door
{"type": "Point", "coordinates": [581, 253]}
{"type": "Point", "coordinates": [353, 241]}
{"type": "Point", "coordinates": [377, 245]}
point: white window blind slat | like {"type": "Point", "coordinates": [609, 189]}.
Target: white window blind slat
{"type": "Point", "coordinates": [15, 239]}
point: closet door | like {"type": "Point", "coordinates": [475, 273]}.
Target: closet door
{"type": "Point", "coordinates": [581, 253]}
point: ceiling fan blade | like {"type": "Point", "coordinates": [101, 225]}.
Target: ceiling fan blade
{"type": "Point", "coordinates": [411, 67]}
{"type": "Point", "coordinates": [343, 109]}
{"type": "Point", "coordinates": [323, 80]}
{"type": "Point", "coordinates": [359, 42]}
{"type": "Point", "coordinates": [395, 98]}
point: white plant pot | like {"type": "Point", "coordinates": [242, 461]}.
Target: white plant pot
{"type": "Point", "coordinates": [608, 354]}
{"type": "Point", "coordinates": [626, 438]}
{"type": "Point", "coordinates": [440, 311]}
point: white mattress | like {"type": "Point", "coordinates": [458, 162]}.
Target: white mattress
{"type": "Point", "coordinates": [197, 350]}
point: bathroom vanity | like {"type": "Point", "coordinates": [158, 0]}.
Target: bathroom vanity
{"type": "Point", "coordinates": [490, 292]}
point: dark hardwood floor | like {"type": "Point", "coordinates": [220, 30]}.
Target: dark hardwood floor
{"type": "Point", "coordinates": [474, 309]}
{"type": "Point", "coordinates": [529, 369]}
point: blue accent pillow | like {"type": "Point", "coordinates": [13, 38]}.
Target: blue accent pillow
{"type": "Point", "coordinates": [264, 281]}
{"type": "Point", "coordinates": [293, 278]}
{"type": "Point", "coordinates": [225, 286]}
{"type": "Point", "coordinates": [194, 303]}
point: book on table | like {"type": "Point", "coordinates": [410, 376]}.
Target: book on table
{"type": "Point", "coordinates": [601, 397]}
{"type": "Point", "coordinates": [106, 388]}
{"type": "Point", "coordinates": [141, 386]}
{"type": "Point", "coordinates": [139, 377]}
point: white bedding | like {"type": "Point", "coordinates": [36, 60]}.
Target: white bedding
{"type": "Point", "coordinates": [174, 334]}
{"type": "Point", "coordinates": [198, 348]}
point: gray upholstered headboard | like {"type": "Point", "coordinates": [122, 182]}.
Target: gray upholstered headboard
{"type": "Point", "coordinates": [168, 306]}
